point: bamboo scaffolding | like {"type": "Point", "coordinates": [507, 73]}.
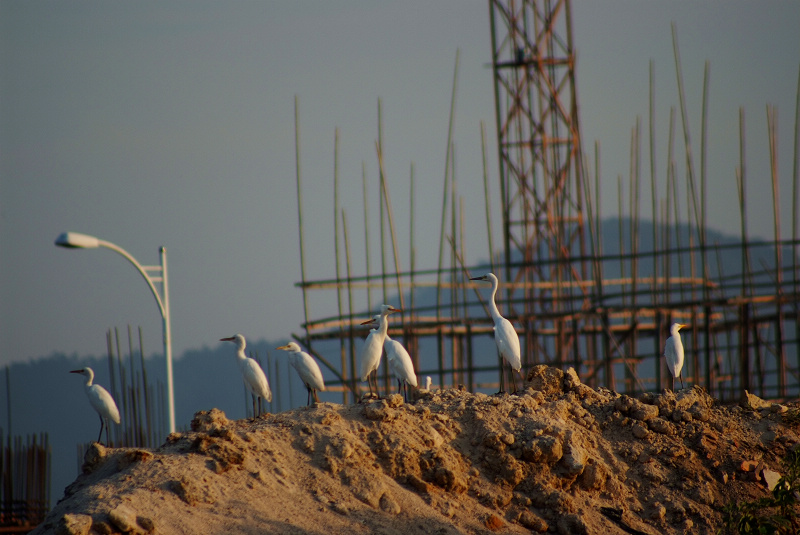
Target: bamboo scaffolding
{"type": "Point", "coordinates": [24, 478]}
{"type": "Point", "coordinates": [604, 311]}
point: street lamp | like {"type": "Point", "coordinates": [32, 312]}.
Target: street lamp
{"type": "Point", "coordinates": [74, 240]}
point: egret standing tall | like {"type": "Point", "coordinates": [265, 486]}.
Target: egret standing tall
{"type": "Point", "coordinates": [307, 368]}
{"type": "Point", "coordinates": [254, 379]}
{"type": "Point", "coordinates": [101, 400]}
{"type": "Point", "coordinates": [673, 351]}
{"type": "Point", "coordinates": [505, 336]}
{"type": "Point", "coordinates": [399, 362]}
{"type": "Point", "coordinates": [373, 347]}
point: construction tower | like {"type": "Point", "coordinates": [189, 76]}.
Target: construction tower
{"type": "Point", "coordinates": [541, 176]}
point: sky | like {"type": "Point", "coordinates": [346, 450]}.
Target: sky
{"type": "Point", "coordinates": [173, 123]}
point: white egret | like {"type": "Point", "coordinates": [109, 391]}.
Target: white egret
{"type": "Point", "coordinates": [399, 362]}
{"type": "Point", "coordinates": [254, 379]}
{"type": "Point", "coordinates": [101, 400]}
{"type": "Point", "coordinates": [505, 337]}
{"type": "Point", "coordinates": [307, 368]}
{"type": "Point", "coordinates": [373, 348]}
{"type": "Point", "coordinates": [673, 351]}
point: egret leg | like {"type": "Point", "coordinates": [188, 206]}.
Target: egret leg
{"type": "Point", "coordinates": [254, 404]}
{"type": "Point", "coordinates": [375, 378]}
{"type": "Point", "coordinates": [513, 379]}
{"type": "Point", "coordinates": [681, 378]}
{"type": "Point", "coordinates": [100, 434]}
{"type": "Point", "coordinates": [314, 394]}
{"type": "Point", "coordinates": [259, 406]}
{"type": "Point", "coordinates": [502, 379]}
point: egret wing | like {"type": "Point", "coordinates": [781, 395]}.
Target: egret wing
{"type": "Point", "coordinates": [103, 403]}
{"type": "Point", "coordinates": [507, 342]}
{"type": "Point", "coordinates": [371, 355]}
{"type": "Point", "coordinates": [402, 367]}
{"type": "Point", "coordinates": [309, 371]}
{"type": "Point", "coordinates": [256, 380]}
{"type": "Point", "coordinates": [671, 354]}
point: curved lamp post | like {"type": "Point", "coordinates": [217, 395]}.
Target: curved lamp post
{"type": "Point", "coordinates": [74, 240]}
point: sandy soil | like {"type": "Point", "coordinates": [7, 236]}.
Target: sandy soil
{"type": "Point", "coordinates": [560, 457]}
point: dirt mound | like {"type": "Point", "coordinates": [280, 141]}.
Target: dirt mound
{"type": "Point", "coordinates": [560, 457]}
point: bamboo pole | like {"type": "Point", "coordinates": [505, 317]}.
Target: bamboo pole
{"type": "Point", "coordinates": [381, 205]}
{"type": "Point", "coordinates": [795, 192]}
{"type": "Point", "coordinates": [343, 358]}
{"type": "Point", "coordinates": [300, 214]}
{"type": "Point", "coordinates": [412, 341]}
{"type": "Point", "coordinates": [772, 127]}
{"type": "Point", "coordinates": [353, 369]}
{"type": "Point", "coordinates": [446, 181]}
{"type": "Point", "coordinates": [744, 315]}
{"type": "Point", "coordinates": [390, 215]}
{"type": "Point", "coordinates": [366, 233]}
{"type": "Point", "coordinates": [487, 198]}
{"type": "Point", "coordinates": [150, 440]}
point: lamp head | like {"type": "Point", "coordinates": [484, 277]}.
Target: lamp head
{"type": "Point", "coordinates": [75, 240]}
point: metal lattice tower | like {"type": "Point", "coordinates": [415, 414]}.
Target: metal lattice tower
{"type": "Point", "coordinates": [540, 164]}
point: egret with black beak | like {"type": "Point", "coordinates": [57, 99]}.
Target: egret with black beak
{"type": "Point", "coordinates": [505, 336]}
{"type": "Point", "coordinates": [101, 400]}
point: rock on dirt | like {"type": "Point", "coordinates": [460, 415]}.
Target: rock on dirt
{"type": "Point", "coordinates": [558, 457]}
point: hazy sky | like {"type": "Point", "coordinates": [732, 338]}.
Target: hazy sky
{"type": "Point", "coordinates": [172, 123]}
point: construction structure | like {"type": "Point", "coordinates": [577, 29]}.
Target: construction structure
{"type": "Point", "coordinates": [581, 291]}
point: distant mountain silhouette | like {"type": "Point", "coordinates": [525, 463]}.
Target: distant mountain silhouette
{"type": "Point", "coordinates": [45, 398]}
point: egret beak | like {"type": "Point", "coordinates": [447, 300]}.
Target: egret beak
{"type": "Point", "coordinates": [229, 339]}
{"type": "Point", "coordinates": [76, 371]}
{"type": "Point", "coordinates": [394, 310]}
{"type": "Point", "coordinates": [368, 322]}
{"type": "Point", "coordinates": [283, 347]}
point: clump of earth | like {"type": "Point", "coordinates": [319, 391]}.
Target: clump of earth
{"type": "Point", "coordinates": [557, 457]}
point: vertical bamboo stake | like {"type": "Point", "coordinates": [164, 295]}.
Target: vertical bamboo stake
{"type": "Point", "coordinates": [486, 198]}
{"type": "Point", "coordinates": [412, 341]}
{"type": "Point", "coordinates": [366, 235]}
{"type": "Point", "coordinates": [463, 288]}
{"type": "Point", "coordinates": [630, 371]}
{"type": "Point", "coordinates": [353, 370]}
{"type": "Point", "coordinates": [134, 425]}
{"type": "Point", "coordinates": [343, 358]}
{"type": "Point", "coordinates": [658, 334]}
{"type": "Point", "coordinates": [744, 342]}
{"type": "Point", "coordinates": [772, 127]}
{"type": "Point", "coordinates": [390, 215]}
{"type": "Point", "coordinates": [150, 441]}
{"type": "Point", "coordinates": [596, 292]}
{"type": "Point", "coordinates": [300, 219]}
{"type": "Point", "coordinates": [445, 196]}
{"type": "Point", "coordinates": [453, 267]}
{"type": "Point", "coordinates": [685, 121]}
{"type": "Point", "coordinates": [795, 186]}
{"type": "Point", "coordinates": [8, 401]}
{"type": "Point", "coordinates": [622, 270]}
{"type": "Point", "coordinates": [604, 319]}
{"type": "Point", "coordinates": [382, 236]}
